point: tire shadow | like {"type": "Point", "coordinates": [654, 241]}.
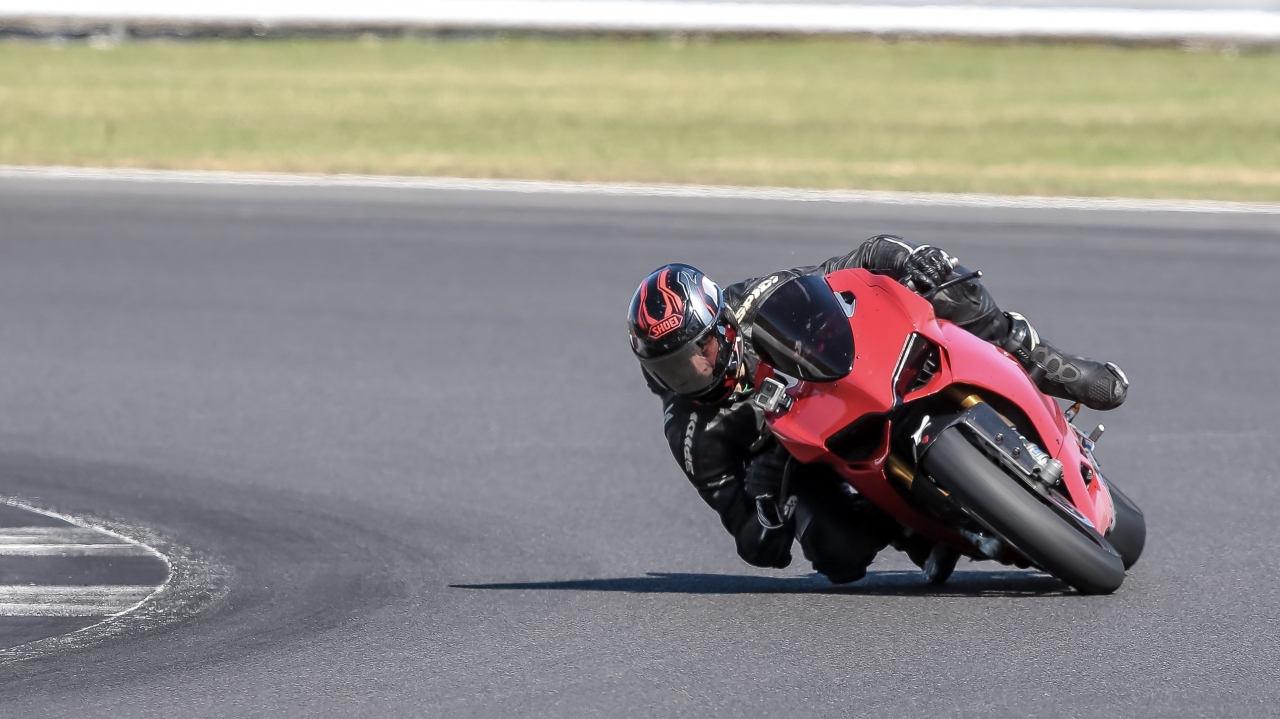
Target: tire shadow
{"type": "Point", "coordinates": [876, 583]}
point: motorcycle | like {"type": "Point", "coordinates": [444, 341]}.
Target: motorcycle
{"type": "Point", "coordinates": [945, 432]}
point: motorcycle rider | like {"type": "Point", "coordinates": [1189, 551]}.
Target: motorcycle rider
{"type": "Point", "coordinates": [689, 337]}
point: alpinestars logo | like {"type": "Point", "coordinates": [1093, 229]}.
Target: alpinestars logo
{"type": "Point", "coordinates": [688, 444]}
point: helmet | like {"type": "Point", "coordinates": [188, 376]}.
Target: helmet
{"type": "Point", "coordinates": [681, 333]}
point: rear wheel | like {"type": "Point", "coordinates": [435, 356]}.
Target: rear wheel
{"type": "Point", "coordinates": [1010, 510]}
{"type": "Point", "coordinates": [1129, 534]}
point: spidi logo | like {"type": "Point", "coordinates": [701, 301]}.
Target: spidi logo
{"type": "Point", "coordinates": [666, 326]}
{"type": "Point", "coordinates": [755, 295]}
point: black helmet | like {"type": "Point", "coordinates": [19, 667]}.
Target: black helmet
{"type": "Point", "coordinates": [681, 333]}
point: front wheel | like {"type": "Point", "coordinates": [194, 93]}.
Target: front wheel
{"type": "Point", "coordinates": [1021, 519]}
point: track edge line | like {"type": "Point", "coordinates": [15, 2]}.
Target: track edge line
{"type": "Point", "coordinates": [634, 189]}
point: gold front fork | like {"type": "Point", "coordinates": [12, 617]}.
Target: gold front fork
{"type": "Point", "coordinates": [962, 397]}
{"type": "Point", "coordinates": [902, 471]}
{"type": "Point", "coordinates": [898, 469]}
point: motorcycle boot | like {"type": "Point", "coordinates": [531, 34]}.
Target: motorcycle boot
{"type": "Point", "coordinates": [1096, 385]}
{"type": "Point", "coordinates": [936, 559]}
{"type": "Point", "coordinates": [940, 563]}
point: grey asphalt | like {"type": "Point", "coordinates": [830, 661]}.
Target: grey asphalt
{"type": "Point", "coordinates": [409, 424]}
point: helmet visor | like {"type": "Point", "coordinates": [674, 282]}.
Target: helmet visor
{"type": "Point", "coordinates": [693, 368]}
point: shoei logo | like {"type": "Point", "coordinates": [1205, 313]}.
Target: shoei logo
{"type": "Point", "coordinates": [665, 326]}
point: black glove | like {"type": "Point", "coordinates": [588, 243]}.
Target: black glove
{"type": "Point", "coordinates": [926, 268]}
{"type": "Point", "coordinates": [764, 484]}
{"type": "Point", "coordinates": [764, 472]}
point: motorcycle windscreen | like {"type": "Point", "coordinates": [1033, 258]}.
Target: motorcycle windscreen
{"type": "Point", "coordinates": [801, 330]}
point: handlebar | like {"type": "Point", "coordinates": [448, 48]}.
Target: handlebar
{"type": "Point", "coordinates": [976, 274]}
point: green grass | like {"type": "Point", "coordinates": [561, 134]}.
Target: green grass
{"type": "Point", "coordinates": [950, 116]}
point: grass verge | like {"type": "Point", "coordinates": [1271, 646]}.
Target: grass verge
{"type": "Point", "coordinates": [945, 116]}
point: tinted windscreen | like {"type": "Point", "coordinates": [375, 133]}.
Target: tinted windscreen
{"type": "Point", "coordinates": [802, 331]}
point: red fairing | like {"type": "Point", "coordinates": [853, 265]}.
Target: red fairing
{"type": "Point", "coordinates": [886, 315]}
{"type": "Point", "coordinates": [983, 365]}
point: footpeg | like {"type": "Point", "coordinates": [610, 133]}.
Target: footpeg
{"type": "Point", "coordinates": [1096, 434]}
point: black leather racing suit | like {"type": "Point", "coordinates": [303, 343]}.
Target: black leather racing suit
{"type": "Point", "coordinates": [726, 450]}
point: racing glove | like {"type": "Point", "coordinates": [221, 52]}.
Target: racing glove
{"type": "Point", "coordinates": [926, 268]}
{"type": "Point", "coordinates": [764, 483]}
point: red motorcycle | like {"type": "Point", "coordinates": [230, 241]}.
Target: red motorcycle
{"type": "Point", "coordinates": [944, 431]}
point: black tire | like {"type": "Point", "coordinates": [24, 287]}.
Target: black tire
{"type": "Point", "coordinates": [1021, 519]}
{"type": "Point", "coordinates": [1129, 535]}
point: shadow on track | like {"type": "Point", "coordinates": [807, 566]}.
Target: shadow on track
{"type": "Point", "coordinates": [884, 583]}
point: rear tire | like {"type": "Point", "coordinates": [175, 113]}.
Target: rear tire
{"type": "Point", "coordinates": [1020, 518]}
{"type": "Point", "coordinates": [1129, 535]}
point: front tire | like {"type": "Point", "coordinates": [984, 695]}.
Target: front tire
{"type": "Point", "coordinates": [1021, 519]}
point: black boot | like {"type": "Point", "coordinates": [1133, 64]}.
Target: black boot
{"type": "Point", "coordinates": [935, 559]}
{"type": "Point", "coordinates": [1094, 384]}
{"type": "Point", "coordinates": [940, 563]}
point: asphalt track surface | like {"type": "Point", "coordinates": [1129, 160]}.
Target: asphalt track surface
{"type": "Point", "coordinates": [408, 424]}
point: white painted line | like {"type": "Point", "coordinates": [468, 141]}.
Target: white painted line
{"type": "Point", "coordinates": [74, 550]}
{"type": "Point", "coordinates": [68, 601]}
{"type": "Point", "coordinates": [694, 16]}
{"type": "Point", "coordinates": [624, 189]}
{"type": "Point", "coordinates": [65, 542]}
{"type": "Point", "coordinates": [55, 601]}
{"type": "Point", "coordinates": [55, 535]}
